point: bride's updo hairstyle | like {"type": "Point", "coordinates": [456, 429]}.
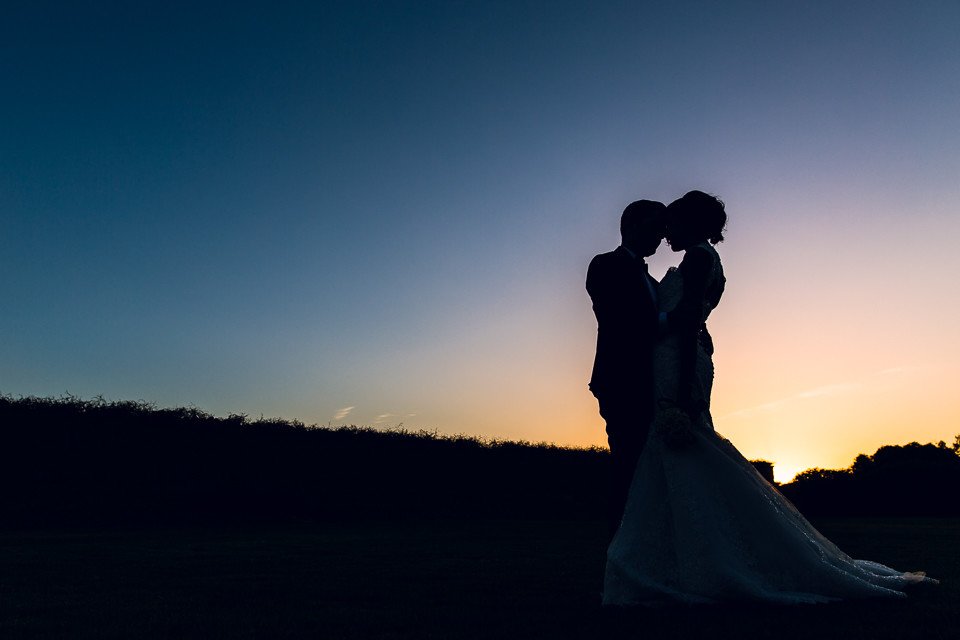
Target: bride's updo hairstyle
{"type": "Point", "coordinates": [702, 214]}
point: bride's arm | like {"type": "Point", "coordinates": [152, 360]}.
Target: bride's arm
{"type": "Point", "coordinates": [687, 318]}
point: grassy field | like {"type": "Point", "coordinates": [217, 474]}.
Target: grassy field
{"type": "Point", "coordinates": [493, 579]}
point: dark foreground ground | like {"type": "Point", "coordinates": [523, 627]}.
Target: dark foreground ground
{"type": "Point", "coordinates": [495, 579]}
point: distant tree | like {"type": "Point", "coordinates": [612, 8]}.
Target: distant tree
{"type": "Point", "coordinates": [911, 479]}
{"type": "Point", "coordinates": [824, 475]}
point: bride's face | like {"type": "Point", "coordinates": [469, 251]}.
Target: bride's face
{"type": "Point", "coordinates": [678, 235]}
{"type": "Point", "coordinates": [683, 232]}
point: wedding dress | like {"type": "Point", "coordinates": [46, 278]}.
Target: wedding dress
{"type": "Point", "coordinates": [701, 525]}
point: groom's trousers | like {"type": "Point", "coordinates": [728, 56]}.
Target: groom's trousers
{"type": "Point", "coordinates": [627, 427]}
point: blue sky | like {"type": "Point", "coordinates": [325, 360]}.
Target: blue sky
{"type": "Point", "coordinates": [294, 208]}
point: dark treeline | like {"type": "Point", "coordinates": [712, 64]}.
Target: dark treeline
{"type": "Point", "coordinates": [71, 461]}
{"type": "Point", "coordinates": [913, 479]}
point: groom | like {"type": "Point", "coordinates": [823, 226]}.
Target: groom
{"type": "Point", "coordinates": [624, 300]}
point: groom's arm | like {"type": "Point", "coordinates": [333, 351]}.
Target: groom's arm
{"type": "Point", "coordinates": [613, 291]}
{"type": "Point", "coordinates": [593, 283]}
{"type": "Point", "coordinates": [601, 288]}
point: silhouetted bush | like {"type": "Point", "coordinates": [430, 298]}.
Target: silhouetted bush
{"type": "Point", "coordinates": [909, 480]}
{"type": "Point", "coordinates": [68, 460]}
{"type": "Point", "coordinates": [77, 461]}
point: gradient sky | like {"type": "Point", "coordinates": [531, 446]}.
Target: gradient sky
{"type": "Point", "coordinates": [382, 212]}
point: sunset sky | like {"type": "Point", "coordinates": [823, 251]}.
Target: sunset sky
{"type": "Point", "coordinates": [382, 212]}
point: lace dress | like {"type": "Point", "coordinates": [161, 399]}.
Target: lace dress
{"type": "Point", "coordinates": [701, 525]}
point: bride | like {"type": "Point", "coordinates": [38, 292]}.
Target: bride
{"type": "Point", "coordinates": [701, 524]}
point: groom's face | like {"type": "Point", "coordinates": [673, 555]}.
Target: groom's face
{"type": "Point", "coordinates": [645, 235]}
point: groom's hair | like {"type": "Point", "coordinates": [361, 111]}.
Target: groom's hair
{"type": "Point", "coordinates": [642, 211]}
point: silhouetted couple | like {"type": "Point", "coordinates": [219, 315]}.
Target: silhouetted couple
{"type": "Point", "coordinates": [691, 520]}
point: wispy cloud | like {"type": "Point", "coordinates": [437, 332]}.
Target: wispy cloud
{"type": "Point", "coordinates": [830, 390]}
{"type": "Point", "coordinates": [343, 413]}
{"type": "Point", "coordinates": [384, 417]}
{"type": "Point", "coordinates": [816, 392]}
{"type": "Point", "coordinates": [827, 390]}
{"type": "Point", "coordinates": [910, 370]}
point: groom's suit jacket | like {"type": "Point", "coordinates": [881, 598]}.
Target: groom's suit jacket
{"type": "Point", "coordinates": [627, 317]}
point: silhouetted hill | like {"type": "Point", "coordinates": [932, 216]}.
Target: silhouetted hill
{"type": "Point", "coordinates": [69, 460]}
